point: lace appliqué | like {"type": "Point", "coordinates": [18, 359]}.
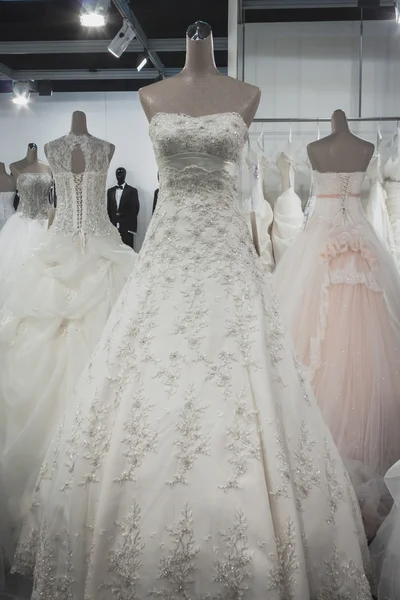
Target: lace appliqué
{"type": "Point", "coordinates": [180, 565]}
{"type": "Point", "coordinates": [340, 577]}
{"type": "Point", "coordinates": [335, 489]}
{"type": "Point", "coordinates": [244, 440]}
{"type": "Point", "coordinates": [34, 190]}
{"type": "Point", "coordinates": [124, 562]}
{"type": "Point", "coordinates": [192, 442]}
{"type": "Point", "coordinates": [306, 475]}
{"type": "Point", "coordinates": [282, 576]}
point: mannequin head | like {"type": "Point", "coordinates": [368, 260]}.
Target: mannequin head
{"type": "Point", "coordinates": [200, 30]}
{"type": "Point", "coordinates": [120, 174]}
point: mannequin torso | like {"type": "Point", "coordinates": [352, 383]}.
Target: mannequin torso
{"type": "Point", "coordinates": [29, 164]}
{"type": "Point", "coordinates": [79, 128]}
{"type": "Point", "coordinates": [341, 151]}
{"type": "Point", "coordinates": [7, 183]}
{"type": "Point", "coordinates": [200, 89]}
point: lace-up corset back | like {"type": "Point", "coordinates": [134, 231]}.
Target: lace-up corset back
{"type": "Point", "coordinates": [33, 191]}
{"type": "Point", "coordinates": [338, 195]}
{"type": "Point", "coordinates": [81, 197]}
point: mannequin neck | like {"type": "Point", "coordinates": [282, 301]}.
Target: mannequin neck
{"type": "Point", "coordinates": [2, 169]}
{"type": "Point", "coordinates": [339, 122]}
{"type": "Point", "coordinates": [31, 155]}
{"type": "Point", "coordinates": [78, 123]}
{"type": "Point", "coordinates": [200, 57]}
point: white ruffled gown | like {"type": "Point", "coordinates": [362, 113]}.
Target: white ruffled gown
{"type": "Point", "coordinates": [24, 230]}
{"type": "Point", "coordinates": [376, 209]}
{"type": "Point", "coordinates": [193, 461]}
{"type": "Point", "coordinates": [340, 292]}
{"type": "Point", "coordinates": [6, 207]}
{"type": "Point", "coordinates": [391, 173]}
{"type": "Point", "coordinates": [52, 321]}
{"type": "Point", "coordinates": [258, 207]}
{"type": "Point", "coordinates": [288, 214]}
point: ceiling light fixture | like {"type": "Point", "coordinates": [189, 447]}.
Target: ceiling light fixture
{"type": "Point", "coordinates": [94, 13]}
{"type": "Point", "coordinates": [21, 92]}
{"type": "Point", "coordinates": [122, 40]}
{"type": "Point", "coordinates": [141, 63]}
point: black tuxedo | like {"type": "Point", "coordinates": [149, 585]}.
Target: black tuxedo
{"type": "Point", "coordinates": [125, 216]}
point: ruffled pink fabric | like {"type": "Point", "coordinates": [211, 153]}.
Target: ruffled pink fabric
{"type": "Point", "coordinates": [347, 240]}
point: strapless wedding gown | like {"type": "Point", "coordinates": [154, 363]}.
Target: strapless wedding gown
{"type": "Point", "coordinates": [6, 207]}
{"type": "Point", "coordinates": [259, 205]}
{"type": "Point", "coordinates": [288, 216]}
{"type": "Point", "coordinates": [392, 187]}
{"type": "Point", "coordinates": [57, 311]}
{"type": "Point", "coordinates": [193, 461]}
{"type": "Point", "coordinates": [340, 291]}
{"type": "Point", "coordinates": [376, 209]}
{"type": "Point", "coordinates": [24, 230]}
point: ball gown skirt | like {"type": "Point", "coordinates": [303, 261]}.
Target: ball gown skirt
{"type": "Point", "coordinates": [193, 461]}
{"type": "Point", "coordinates": [340, 291]}
{"type": "Point", "coordinates": [54, 317]}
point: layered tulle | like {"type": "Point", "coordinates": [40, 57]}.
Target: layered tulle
{"type": "Point", "coordinates": [385, 549]}
{"type": "Point", "coordinates": [18, 238]}
{"type": "Point", "coordinates": [393, 207]}
{"type": "Point", "coordinates": [48, 328]}
{"type": "Point", "coordinates": [340, 290]}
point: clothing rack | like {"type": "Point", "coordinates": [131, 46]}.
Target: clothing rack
{"type": "Point", "coordinates": [327, 120]}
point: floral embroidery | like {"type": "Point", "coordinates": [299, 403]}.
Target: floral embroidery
{"type": "Point", "coordinates": [344, 581]}
{"type": "Point", "coordinates": [282, 576]}
{"type": "Point", "coordinates": [124, 562]}
{"type": "Point", "coordinates": [335, 489]}
{"type": "Point", "coordinates": [306, 474]}
{"type": "Point", "coordinates": [180, 565]}
{"type": "Point", "coordinates": [192, 441]}
{"type": "Point", "coordinates": [244, 440]}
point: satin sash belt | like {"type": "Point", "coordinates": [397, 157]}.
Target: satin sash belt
{"type": "Point", "coordinates": [207, 162]}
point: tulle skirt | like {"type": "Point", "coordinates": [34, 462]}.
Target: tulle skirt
{"type": "Point", "coordinates": [340, 291]}
{"type": "Point", "coordinates": [48, 329]}
{"type": "Point", "coordinates": [288, 221]}
{"type": "Point", "coordinates": [18, 238]}
{"type": "Point", "coordinates": [385, 549]}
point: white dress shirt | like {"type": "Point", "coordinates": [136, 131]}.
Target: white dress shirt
{"type": "Point", "coordinates": [118, 194]}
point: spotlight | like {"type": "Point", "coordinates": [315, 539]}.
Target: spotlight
{"type": "Point", "coordinates": [141, 63]}
{"type": "Point", "coordinates": [94, 13]}
{"type": "Point", "coordinates": [21, 92]}
{"type": "Point", "coordinates": [122, 40]}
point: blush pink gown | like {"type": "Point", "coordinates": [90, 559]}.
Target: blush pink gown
{"type": "Point", "coordinates": [340, 291]}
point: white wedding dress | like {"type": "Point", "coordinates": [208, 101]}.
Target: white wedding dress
{"type": "Point", "coordinates": [260, 207]}
{"type": "Point", "coordinates": [193, 461]}
{"type": "Point", "coordinates": [392, 186]}
{"type": "Point", "coordinates": [6, 207]}
{"type": "Point", "coordinates": [376, 209]}
{"type": "Point", "coordinates": [24, 230]}
{"type": "Point", "coordinates": [56, 313]}
{"type": "Point", "coordinates": [288, 214]}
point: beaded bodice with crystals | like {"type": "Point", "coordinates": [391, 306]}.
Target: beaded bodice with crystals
{"type": "Point", "coordinates": [81, 197]}
{"type": "Point", "coordinates": [338, 196]}
{"type": "Point", "coordinates": [186, 147]}
{"type": "Point", "coordinates": [33, 191]}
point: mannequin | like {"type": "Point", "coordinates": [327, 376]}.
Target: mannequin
{"type": "Point", "coordinates": [7, 182]}
{"type": "Point", "coordinates": [29, 164]}
{"type": "Point", "coordinates": [79, 128]}
{"type": "Point", "coordinates": [200, 89]}
{"type": "Point", "coordinates": [123, 207]}
{"type": "Point", "coordinates": [341, 151]}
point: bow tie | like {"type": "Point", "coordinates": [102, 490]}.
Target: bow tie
{"type": "Point", "coordinates": [120, 187]}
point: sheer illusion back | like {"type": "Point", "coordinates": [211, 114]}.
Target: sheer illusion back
{"type": "Point", "coordinates": [81, 199]}
{"type": "Point", "coordinates": [33, 190]}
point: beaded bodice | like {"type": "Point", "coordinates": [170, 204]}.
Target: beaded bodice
{"type": "Point", "coordinates": [198, 158]}
{"type": "Point", "coordinates": [33, 191]}
{"type": "Point", "coordinates": [338, 195]}
{"type": "Point", "coordinates": [81, 197]}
